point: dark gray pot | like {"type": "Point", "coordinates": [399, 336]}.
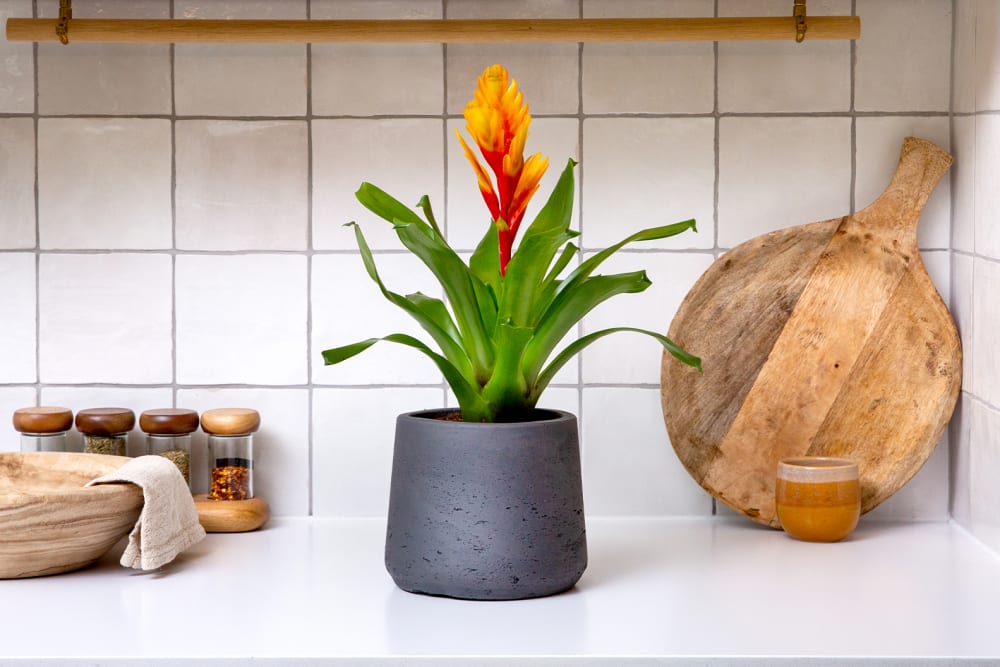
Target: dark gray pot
{"type": "Point", "coordinates": [486, 511]}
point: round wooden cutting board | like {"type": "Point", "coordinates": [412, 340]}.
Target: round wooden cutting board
{"type": "Point", "coordinates": [823, 339]}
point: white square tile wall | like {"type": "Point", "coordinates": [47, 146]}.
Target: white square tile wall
{"type": "Point", "coordinates": [964, 76]}
{"type": "Point", "coordinates": [370, 79]}
{"type": "Point", "coordinates": [624, 438]}
{"type": "Point", "coordinates": [985, 315]}
{"type": "Point", "coordinates": [987, 197]}
{"type": "Point", "coordinates": [975, 430]}
{"type": "Point", "coordinates": [808, 160]}
{"type": "Point", "coordinates": [646, 172]}
{"type": "Point", "coordinates": [402, 156]}
{"type": "Point", "coordinates": [17, 188]}
{"type": "Point", "coordinates": [105, 78]}
{"type": "Point", "coordinates": [784, 76]}
{"type": "Point", "coordinates": [353, 432]}
{"type": "Point", "coordinates": [241, 319]}
{"type": "Point", "coordinates": [17, 92]}
{"type": "Point", "coordinates": [104, 183]}
{"type": "Point", "coordinates": [172, 217]}
{"type": "Point", "coordinates": [963, 183]}
{"type": "Point", "coordinates": [548, 74]}
{"type": "Point", "coordinates": [17, 312]}
{"type": "Point", "coordinates": [984, 461]}
{"type": "Point", "coordinates": [105, 318]}
{"type": "Point", "coordinates": [227, 198]}
{"type": "Point", "coordinates": [906, 66]}
{"type": "Point", "coordinates": [651, 77]}
{"type": "Point", "coordinates": [985, 50]}
{"type": "Point", "coordinates": [240, 79]}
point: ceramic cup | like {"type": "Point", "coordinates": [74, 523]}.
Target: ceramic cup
{"type": "Point", "coordinates": [818, 498]}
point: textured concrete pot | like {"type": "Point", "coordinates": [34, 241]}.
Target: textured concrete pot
{"type": "Point", "coordinates": [486, 511]}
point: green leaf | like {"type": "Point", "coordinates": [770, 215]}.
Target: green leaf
{"type": "Point", "coordinates": [473, 407]}
{"type": "Point", "coordinates": [551, 282]}
{"type": "Point", "coordinates": [389, 208]}
{"type": "Point", "coordinates": [425, 205]}
{"type": "Point", "coordinates": [588, 266]}
{"type": "Point", "coordinates": [460, 289]}
{"type": "Point", "coordinates": [569, 307]}
{"type": "Point", "coordinates": [430, 313]}
{"type": "Point", "coordinates": [574, 348]}
{"type": "Point", "coordinates": [529, 264]}
{"type": "Point", "coordinates": [485, 261]}
{"type": "Point", "coordinates": [561, 263]}
{"type": "Point", "coordinates": [507, 390]}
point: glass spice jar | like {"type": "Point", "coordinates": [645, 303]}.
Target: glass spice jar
{"type": "Point", "coordinates": [230, 450]}
{"type": "Point", "coordinates": [105, 430]}
{"type": "Point", "coordinates": [43, 428]}
{"type": "Point", "coordinates": [168, 434]}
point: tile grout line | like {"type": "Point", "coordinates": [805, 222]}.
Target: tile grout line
{"type": "Point", "coordinates": [982, 401]}
{"type": "Point", "coordinates": [579, 325]}
{"type": "Point", "coordinates": [718, 171]}
{"type": "Point", "coordinates": [953, 181]}
{"type": "Point", "coordinates": [445, 163]}
{"type": "Point", "coordinates": [38, 226]}
{"type": "Point", "coordinates": [311, 396]}
{"type": "Point", "coordinates": [173, 215]}
{"type": "Point", "coordinates": [910, 113]}
{"type": "Point", "coordinates": [854, 118]}
{"type": "Point", "coordinates": [718, 157]}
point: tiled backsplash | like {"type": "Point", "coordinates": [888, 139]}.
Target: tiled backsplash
{"type": "Point", "coordinates": [172, 216]}
{"type": "Point", "coordinates": [975, 269]}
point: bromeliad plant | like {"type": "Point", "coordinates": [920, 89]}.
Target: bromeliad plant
{"type": "Point", "coordinates": [507, 310]}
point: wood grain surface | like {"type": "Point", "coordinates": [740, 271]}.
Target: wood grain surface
{"type": "Point", "coordinates": [230, 421]}
{"type": "Point", "coordinates": [231, 516]}
{"type": "Point", "coordinates": [826, 339]}
{"type": "Point", "coordinates": [50, 522]}
{"type": "Point", "coordinates": [436, 31]}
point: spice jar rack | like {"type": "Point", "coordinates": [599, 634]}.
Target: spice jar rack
{"type": "Point", "coordinates": [231, 506]}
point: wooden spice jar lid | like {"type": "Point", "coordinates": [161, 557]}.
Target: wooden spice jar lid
{"type": "Point", "coordinates": [43, 419]}
{"type": "Point", "coordinates": [105, 421]}
{"type": "Point", "coordinates": [169, 421]}
{"type": "Point", "coordinates": [230, 421]}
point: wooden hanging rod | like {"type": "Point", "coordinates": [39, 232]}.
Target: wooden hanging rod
{"type": "Point", "coordinates": [433, 31]}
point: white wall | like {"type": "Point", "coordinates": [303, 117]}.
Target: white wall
{"type": "Point", "coordinates": [976, 266]}
{"type": "Point", "coordinates": [171, 230]}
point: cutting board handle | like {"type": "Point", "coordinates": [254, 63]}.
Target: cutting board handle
{"type": "Point", "coordinates": [921, 166]}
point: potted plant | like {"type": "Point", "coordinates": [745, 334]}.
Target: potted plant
{"type": "Point", "coordinates": [486, 501]}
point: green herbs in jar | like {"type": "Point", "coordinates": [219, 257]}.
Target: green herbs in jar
{"type": "Point", "coordinates": [104, 444]}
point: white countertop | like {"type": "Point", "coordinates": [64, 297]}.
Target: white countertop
{"type": "Point", "coordinates": [711, 591]}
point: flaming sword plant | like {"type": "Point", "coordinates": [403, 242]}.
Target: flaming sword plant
{"type": "Point", "coordinates": [509, 308]}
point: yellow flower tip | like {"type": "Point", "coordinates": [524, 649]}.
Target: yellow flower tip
{"type": "Point", "coordinates": [485, 185]}
{"type": "Point", "coordinates": [534, 168]}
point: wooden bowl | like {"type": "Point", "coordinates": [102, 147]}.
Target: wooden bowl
{"type": "Point", "coordinates": [50, 522]}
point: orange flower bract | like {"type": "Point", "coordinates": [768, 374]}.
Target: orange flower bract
{"type": "Point", "coordinates": [497, 119]}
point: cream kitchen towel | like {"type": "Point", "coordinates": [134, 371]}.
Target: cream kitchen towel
{"type": "Point", "coordinates": [168, 523]}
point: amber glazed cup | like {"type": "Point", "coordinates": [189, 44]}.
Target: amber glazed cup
{"type": "Point", "coordinates": [818, 498]}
